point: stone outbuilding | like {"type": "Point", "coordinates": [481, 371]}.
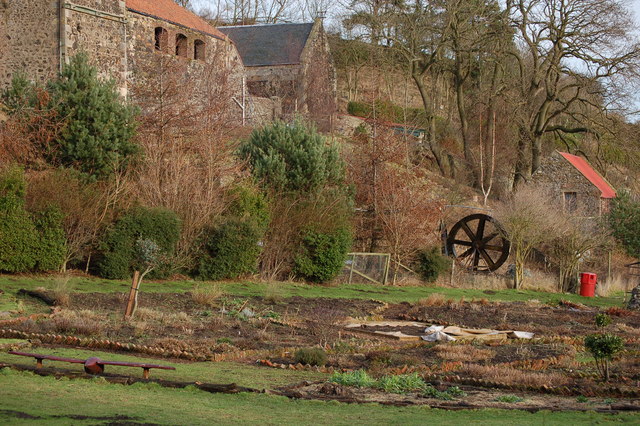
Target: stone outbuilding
{"type": "Point", "coordinates": [120, 37]}
{"type": "Point", "coordinates": [576, 185]}
{"type": "Point", "coordinates": [291, 62]}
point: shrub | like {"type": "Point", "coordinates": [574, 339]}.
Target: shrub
{"type": "Point", "coordinates": [431, 263]}
{"type": "Point", "coordinates": [311, 356]}
{"type": "Point", "coordinates": [50, 250]}
{"type": "Point", "coordinates": [118, 248]}
{"type": "Point", "coordinates": [232, 248]}
{"type": "Point", "coordinates": [322, 255]}
{"type": "Point", "coordinates": [603, 347]}
{"type": "Point", "coordinates": [207, 295]}
{"type": "Point", "coordinates": [624, 221]}
{"type": "Point", "coordinates": [27, 242]}
{"type": "Point", "coordinates": [602, 320]}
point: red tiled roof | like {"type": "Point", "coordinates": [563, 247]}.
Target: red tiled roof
{"type": "Point", "coordinates": [169, 11]}
{"type": "Point", "coordinates": [593, 176]}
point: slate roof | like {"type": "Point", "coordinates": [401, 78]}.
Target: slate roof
{"type": "Point", "coordinates": [269, 44]}
{"type": "Point", "coordinates": [169, 11]}
{"type": "Point", "coordinates": [591, 174]}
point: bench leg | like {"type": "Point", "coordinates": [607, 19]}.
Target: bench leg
{"type": "Point", "coordinates": [38, 362]}
{"type": "Point", "coordinates": [145, 373]}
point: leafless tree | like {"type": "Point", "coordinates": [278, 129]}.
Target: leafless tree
{"type": "Point", "coordinates": [571, 58]}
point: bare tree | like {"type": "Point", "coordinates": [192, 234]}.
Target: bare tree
{"type": "Point", "coordinates": [529, 219]}
{"type": "Point", "coordinates": [571, 57]}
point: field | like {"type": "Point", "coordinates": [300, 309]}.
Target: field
{"type": "Point", "coordinates": [249, 333]}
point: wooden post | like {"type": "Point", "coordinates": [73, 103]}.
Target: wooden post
{"type": "Point", "coordinates": [132, 294]}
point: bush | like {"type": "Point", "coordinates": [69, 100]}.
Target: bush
{"type": "Point", "coordinates": [602, 320]}
{"type": "Point", "coordinates": [322, 255]}
{"type": "Point", "coordinates": [311, 356]}
{"type": "Point", "coordinates": [603, 347]}
{"type": "Point", "coordinates": [118, 249]}
{"type": "Point", "coordinates": [624, 221]}
{"type": "Point", "coordinates": [27, 242]}
{"type": "Point", "coordinates": [50, 250]}
{"type": "Point", "coordinates": [230, 250]}
{"type": "Point", "coordinates": [431, 263]}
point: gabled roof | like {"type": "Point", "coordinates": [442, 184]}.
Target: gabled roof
{"type": "Point", "coordinates": [591, 174]}
{"type": "Point", "coordinates": [269, 44]}
{"type": "Point", "coordinates": [169, 11]}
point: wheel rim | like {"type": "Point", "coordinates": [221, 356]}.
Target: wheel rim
{"type": "Point", "coordinates": [478, 243]}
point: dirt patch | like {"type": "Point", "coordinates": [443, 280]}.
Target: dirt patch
{"type": "Point", "coordinates": [475, 398]}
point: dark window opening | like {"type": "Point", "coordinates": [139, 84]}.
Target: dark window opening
{"type": "Point", "coordinates": [570, 202]}
{"type": "Point", "coordinates": [162, 39]}
{"type": "Point", "coordinates": [181, 45]}
{"type": "Point", "coordinates": [199, 50]}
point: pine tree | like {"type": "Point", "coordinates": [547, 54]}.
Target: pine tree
{"type": "Point", "coordinates": [99, 126]}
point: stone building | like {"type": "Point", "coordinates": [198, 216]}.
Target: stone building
{"type": "Point", "coordinates": [577, 186]}
{"type": "Point", "coordinates": [291, 62]}
{"type": "Point", "coordinates": [38, 36]}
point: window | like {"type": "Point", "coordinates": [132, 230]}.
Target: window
{"type": "Point", "coordinates": [199, 50]}
{"type": "Point", "coordinates": [570, 202]}
{"type": "Point", "coordinates": [182, 45]}
{"type": "Point", "coordinates": [162, 39]}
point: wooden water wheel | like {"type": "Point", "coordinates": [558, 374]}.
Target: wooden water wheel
{"type": "Point", "coordinates": [478, 243]}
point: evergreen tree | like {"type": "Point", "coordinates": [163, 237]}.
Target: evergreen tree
{"type": "Point", "coordinates": [624, 220]}
{"type": "Point", "coordinates": [99, 126]}
{"type": "Point", "coordinates": [293, 158]}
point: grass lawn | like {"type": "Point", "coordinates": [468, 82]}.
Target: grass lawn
{"type": "Point", "coordinates": [219, 372]}
{"type": "Point", "coordinates": [11, 284]}
{"type": "Point", "coordinates": [29, 399]}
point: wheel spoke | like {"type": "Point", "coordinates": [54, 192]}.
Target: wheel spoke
{"type": "Point", "coordinates": [493, 248]}
{"type": "Point", "coordinates": [462, 243]}
{"type": "Point", "coordinates": [480, 230]}
{"type": "Point", "coordinates": [489, 237]}
{"type": "Point", "coordinates": [467, 252]}
{"type": "Point", "coordinates": [490, 263]}
{"type": "Point", "coordinates": [468, 230]}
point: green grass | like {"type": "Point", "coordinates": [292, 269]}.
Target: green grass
{"type": "Point", "coordinates": [12, 284]}
{"type": "Point", "coordinates": [219, 372]}
{"type": "Point", "coordinates": [30, 399]}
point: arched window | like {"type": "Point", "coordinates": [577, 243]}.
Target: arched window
{"type": "Point", "coordinates": [162, 39]}
{"type": "Point", "coordinates": [199, 50]}
{"type": "Point", "coordinates": [182, 45]}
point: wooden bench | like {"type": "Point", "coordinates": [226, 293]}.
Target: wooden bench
{"type": "Point", "coordinates": [93, 365]}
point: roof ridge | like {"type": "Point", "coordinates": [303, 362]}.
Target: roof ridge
{"type": "Point", "coordinates": [264, 25]}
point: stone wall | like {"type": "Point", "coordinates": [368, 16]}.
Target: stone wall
{"type": "Point", "coordinates": [219, 75]}
{"type": "Point", "coordinates": [29, 39]}
{"type": "Point", "coordinates": [556, 176]}
{"type": "Point", "coordinates": [318, 86]}
{"type": "Point", "coordinates": [281, 81]}
{"type": "Point", "coordinates": [100, 31]}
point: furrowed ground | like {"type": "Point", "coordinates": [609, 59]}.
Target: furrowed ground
{"type": "Point", "coordinates": [248, 333]}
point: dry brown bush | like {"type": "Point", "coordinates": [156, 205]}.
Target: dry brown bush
{"type": "Point", "coordinates": [188, 153]}
{"type": "Point", "coordinates": [512, 376]}
{"type": "Point", "coordinates": [399, 208]}
{"type": "Point", "coordinates": [463, 353]}
{"type": "Point", "coordinates": [85, 322]}
{"type": "Point", "coordinates": [434, 299]}
{"type": "Point", "coordinates": [207, 294]}
{"type": "Point", "coordinates": [61, 291]}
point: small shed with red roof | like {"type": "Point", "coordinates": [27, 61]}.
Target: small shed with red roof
{"type": "Point", "coordinates": [578, 187]}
